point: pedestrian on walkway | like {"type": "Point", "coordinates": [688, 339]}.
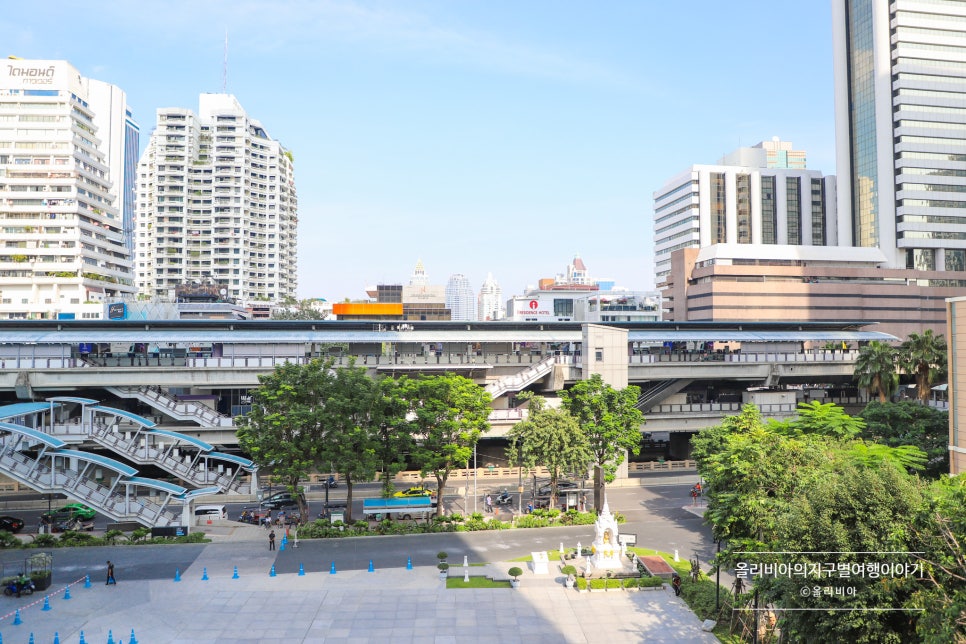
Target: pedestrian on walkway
{"type": "Point", "coordinates": [110, 575]}
{"type": "Point", "coordinates": [488, 503]}
{"type": "Point", "coordinates": [676, 584]}
{"type": "Point", "coordinates": [271, 540]}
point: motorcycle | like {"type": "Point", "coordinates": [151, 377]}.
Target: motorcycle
{"type": "Point", "coordinates": [505, 498]}
{"type": "Point", "coordinates": [331, 482]}
{"type": "Point", "coordinates": [19, 586]}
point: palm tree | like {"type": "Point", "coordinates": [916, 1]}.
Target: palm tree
{"type": "Point", "coordinates": [875, 369]}
{"type": "Point", "coordinates": [925, 356]}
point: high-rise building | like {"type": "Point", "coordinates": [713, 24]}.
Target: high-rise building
{"type": "Point", "coordinates": [216, 205]}
{"type": "Point", "coordinates": [120, 140]}
{"type": "Point", "coordinates": [460, 299]}
{"type": "Point", "coordinates": [742, 204]}
{"type": "Point", "coordinates": [63, 247]}
{"type": "Point", "coordinates": [491, 306]}
{"type": "Point", "coordinates": [900, 122]}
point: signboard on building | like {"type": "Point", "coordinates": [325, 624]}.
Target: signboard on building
{"type": "Point", "coordinates": [117, 311]}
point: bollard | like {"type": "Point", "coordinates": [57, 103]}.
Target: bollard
{"type": "Point", "coordinates": [16, 618]}
{"type": "Point", "coordinates": [272, 573]}
{"type": "Point", "coordinates": [87, 581]}
{"type": "Point", "coordinates": [46, 603]}
{"type": "Point", "coordinates": [371, 568]}
{"type": "Point", "coordinates": [332, 569]}
{"type": "Point", "coordinates": [67, 592]}
{"type": "Point", "coordinates": [235, 574]}
{"type": "Point", "coordinates": [409, 563]}
{"type": "Point", "coordinates": [301, 570]}
{"type": "Point", "coordinates": [676, 557]}
{"type": "Point", "coordinates": [204, 574]}
{"type": "Point", "coordinates": [177, 574]}
{"type": "Point", "coordinates": [133, 639]}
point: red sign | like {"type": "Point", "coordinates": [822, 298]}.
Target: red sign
{"type": "Point", "coordinates": [534, 304]}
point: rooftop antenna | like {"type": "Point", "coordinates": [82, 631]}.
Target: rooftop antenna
{"type": "Point", "coordinates": [224, 67]}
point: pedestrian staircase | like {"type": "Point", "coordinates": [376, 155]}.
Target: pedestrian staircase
{"type": "Point", "coordinates": [661, 391]}
{"type": "Point", "coordinates": [522, 379]}
{"type": "Point", "coordinates": [44, 463]}
{"type": "Point", "coordinates": [158, 399]}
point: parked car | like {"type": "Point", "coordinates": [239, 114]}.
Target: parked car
{"type": "Point", "coordinates": [562, 486]}
{"type": "Point", "coordinates": [79, 510]}
{"type": "Point", "coordinates": [416, 490]}
{"type": "Point", "coordinates": [281, 501]}
{"type": "Point", "coordinates": [11, 524]}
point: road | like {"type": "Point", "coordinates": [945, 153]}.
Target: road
{"type": "Point", "coordinates": [655, 513]}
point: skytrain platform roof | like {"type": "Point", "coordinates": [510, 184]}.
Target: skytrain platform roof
{"type": "Point", "coordinates": [171, 488]}
{"type": "Point", "coordinates": [229, 332]}
{"type": "Point", "coordinates": [41, 437]}
{"type": "Point", "coordinates": [140, 420]}
{"type": "Point", "coordinates": [197, 442]}
{"type": "Point", "coordinates": [97, 459]}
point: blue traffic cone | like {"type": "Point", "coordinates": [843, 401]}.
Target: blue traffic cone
{"type": "Point", "coordinates": [177, 574]}
{"type": "Point", "coordinates": [87, 581]}
{"type": "Point", "coordinates": [82, 640]}
{"type": "Point", "coordinates": [301, 572]}
{"type": "Point", "coordinates": [16, 618]}
{"type": "Point", "coordinates": [204, 574]}
{"type": "Point", "coordinates": [332, 569]}
{"type": "Point", "coordinates": [56, 637]}
{"type": "Point", "coordinates": [46, 603]}
{"type": "Point", "coordinates": [67, 592]}
{"type": "Point", "coordinates": [281, 545]}
{"type": "Point", "coordinates": [272, 573]}
{"type": "Point", "coordinates": [409, 563]}
{"type": "Point", "coordinates": [235, 574]}
{"type": "Point", "coordinates": [133, 639]}
{"type": "Point", "coordinates": [31, 641]}
{"type": "Point", "coordinates": [371, 568]}
{"type": "Point", "coordinates": [110, 637]}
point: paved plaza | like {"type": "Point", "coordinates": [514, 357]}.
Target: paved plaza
{"type": "Point", "coordinates": [390, 604]}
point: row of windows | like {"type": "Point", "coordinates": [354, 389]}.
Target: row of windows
{"type": "Point", "coordinates": [933, 172]}
{"type": "Point", "coordinates": [905, 138]}
{"type": "Point", "coordinates": [931, 78]}
{"type": "Point", "coordinates": [933, 203]}
{"type": "Point", "coordinates": [693, 186]}
{"type": "Point", "coordinates": [932, 125]}
{"type": "Point", "coordinates": [932, 156]}
{"type": "Point", "coordinates": [932, 187]}
{"type": "Point", "coordinates": [931, 219]}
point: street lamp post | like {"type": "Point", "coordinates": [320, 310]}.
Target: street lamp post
{"type": "Point", "coordinates": [717, 586]}
{"type": "Point", "coordinates": [475, 478]}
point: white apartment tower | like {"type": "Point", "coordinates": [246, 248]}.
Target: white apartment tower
{"type": "Point", "coordinates": [900, 124]}
{"type": "Point", "coordinates": [742, 204]}
{"type": "Point", "coordinates": [216, 205]}
{"type": "Point", "coordinates": [460, 299]}
{"type": "Point", "coordinates": [491, 305]}
{"type": "Point", "coordinates": [62, 244]}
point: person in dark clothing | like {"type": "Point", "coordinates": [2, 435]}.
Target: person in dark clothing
{"type": "Point", "coordinates": [676, 584]}
{"type": "Point", "coordinates": [110, 575]}
{"type": "Point", "coordinates": [271, 540]}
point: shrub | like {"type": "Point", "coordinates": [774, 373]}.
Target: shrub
{"type": "Point", "coordinates": [72, 538]}
{"type": "Point", "coordinates": [581, 583]}
{"type": "Point", "coordinates": [111, 536]}
{"type": "Point", "coordinates": [531, 521]}
{"type": "Point", "coordinates": [443, 566]}
{"type": "Point", "coordinates": [139, 534]}
{"type": "Point", "coordinates": [597, 584]}
{"type": "Point", "coordinates": [569, 570]}
{"type": "Point", "coordinates": [45, 541]}
{"type": "Point", "coordinates": [514, 572]}
{"type": "Point", "coordinates": [650, 582]}
{"type": "Point", "coordinates": [442, 555]}
{"type": "Point", "coordinates": [614, 583]}
{"type": "Point", "coordinates": [7, 540]}
{"type": "Point", "coordinates": [631, 582]}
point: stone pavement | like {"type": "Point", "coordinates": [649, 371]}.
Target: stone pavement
{"type": "Point", "coordinates": [387, 605]}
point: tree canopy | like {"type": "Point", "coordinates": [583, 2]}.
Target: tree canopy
{"type": "Point", "coordinates": [611, 422]}
{"type": "Point", "coordinates": [923, 355]}
{"type": "Point", "coordinates": [875, 369]}
{"type": "Point", "coordinates": [449, 413]}
{"type": "Point", "coordinates": [551, 438]}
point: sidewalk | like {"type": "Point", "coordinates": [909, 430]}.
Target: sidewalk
{"type": "Point", "coordinates": [391, 605]}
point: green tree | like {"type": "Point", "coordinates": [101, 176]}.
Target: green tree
{"type": "Point", "coordinates": [449, 413]}
{"type": "Point", "coordinates": [292, 309]}
{"type": "Point", "coordinates": [940, 590]}
{"type": "Point", "coordinates": [925, 356]}
{"type": "Point", "coordinates": [821, 419]}
{"type": "Point", "coordinates": [611, 422]}
{"type": "Point", "coordinates": [284, 428]}
{"type": "Point", "coordinates": [551, 438]}
{"type": "Point", "coordinates": [350, 442]}
{"type": "Point", "coordinates": [393, 429]}
{"type": "Point", "coordinates": [875, 369]}
{"type": "Point", "coordinates": [909, 423]}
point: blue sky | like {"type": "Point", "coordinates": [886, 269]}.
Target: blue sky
{"type": "Point", "coordinates": [497, 136]}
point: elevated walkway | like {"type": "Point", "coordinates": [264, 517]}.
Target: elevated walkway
{"type": "Point", "coordinates": [44, 463]}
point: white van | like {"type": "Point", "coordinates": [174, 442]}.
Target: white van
{"type": "Point", "coordinates": [211, 511]}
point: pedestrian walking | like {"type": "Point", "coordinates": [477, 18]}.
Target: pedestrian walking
{"type": "Point", "coordinates": [488, 503]}
{"type": "Point", "coordinates": [271, 540]}
{"type": "Point", "coordinates": [110, 575]}
{"type": "Point", "coordinates": [676, 584]}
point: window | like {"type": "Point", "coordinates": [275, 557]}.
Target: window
{"type": "Point", "coordinates": [599, 354]}
{"type": "Point", "coordinates": [563, 307]}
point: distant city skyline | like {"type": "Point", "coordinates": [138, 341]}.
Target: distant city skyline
{"type": "Point", "coordinates": [502, 138]}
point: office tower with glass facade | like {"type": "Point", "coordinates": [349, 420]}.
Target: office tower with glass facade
{"type": "Point", "coordinates": [900, 120]}
{"type": "Point", "coordinates": [216, 205]}
{"type": "Point", "coordinates": [63, 252]}
{"type": "Point", "coordinates": [491, 306]}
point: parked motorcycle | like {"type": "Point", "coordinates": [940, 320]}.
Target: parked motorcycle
{"type": "Point", "coordinates": [19, 586]}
